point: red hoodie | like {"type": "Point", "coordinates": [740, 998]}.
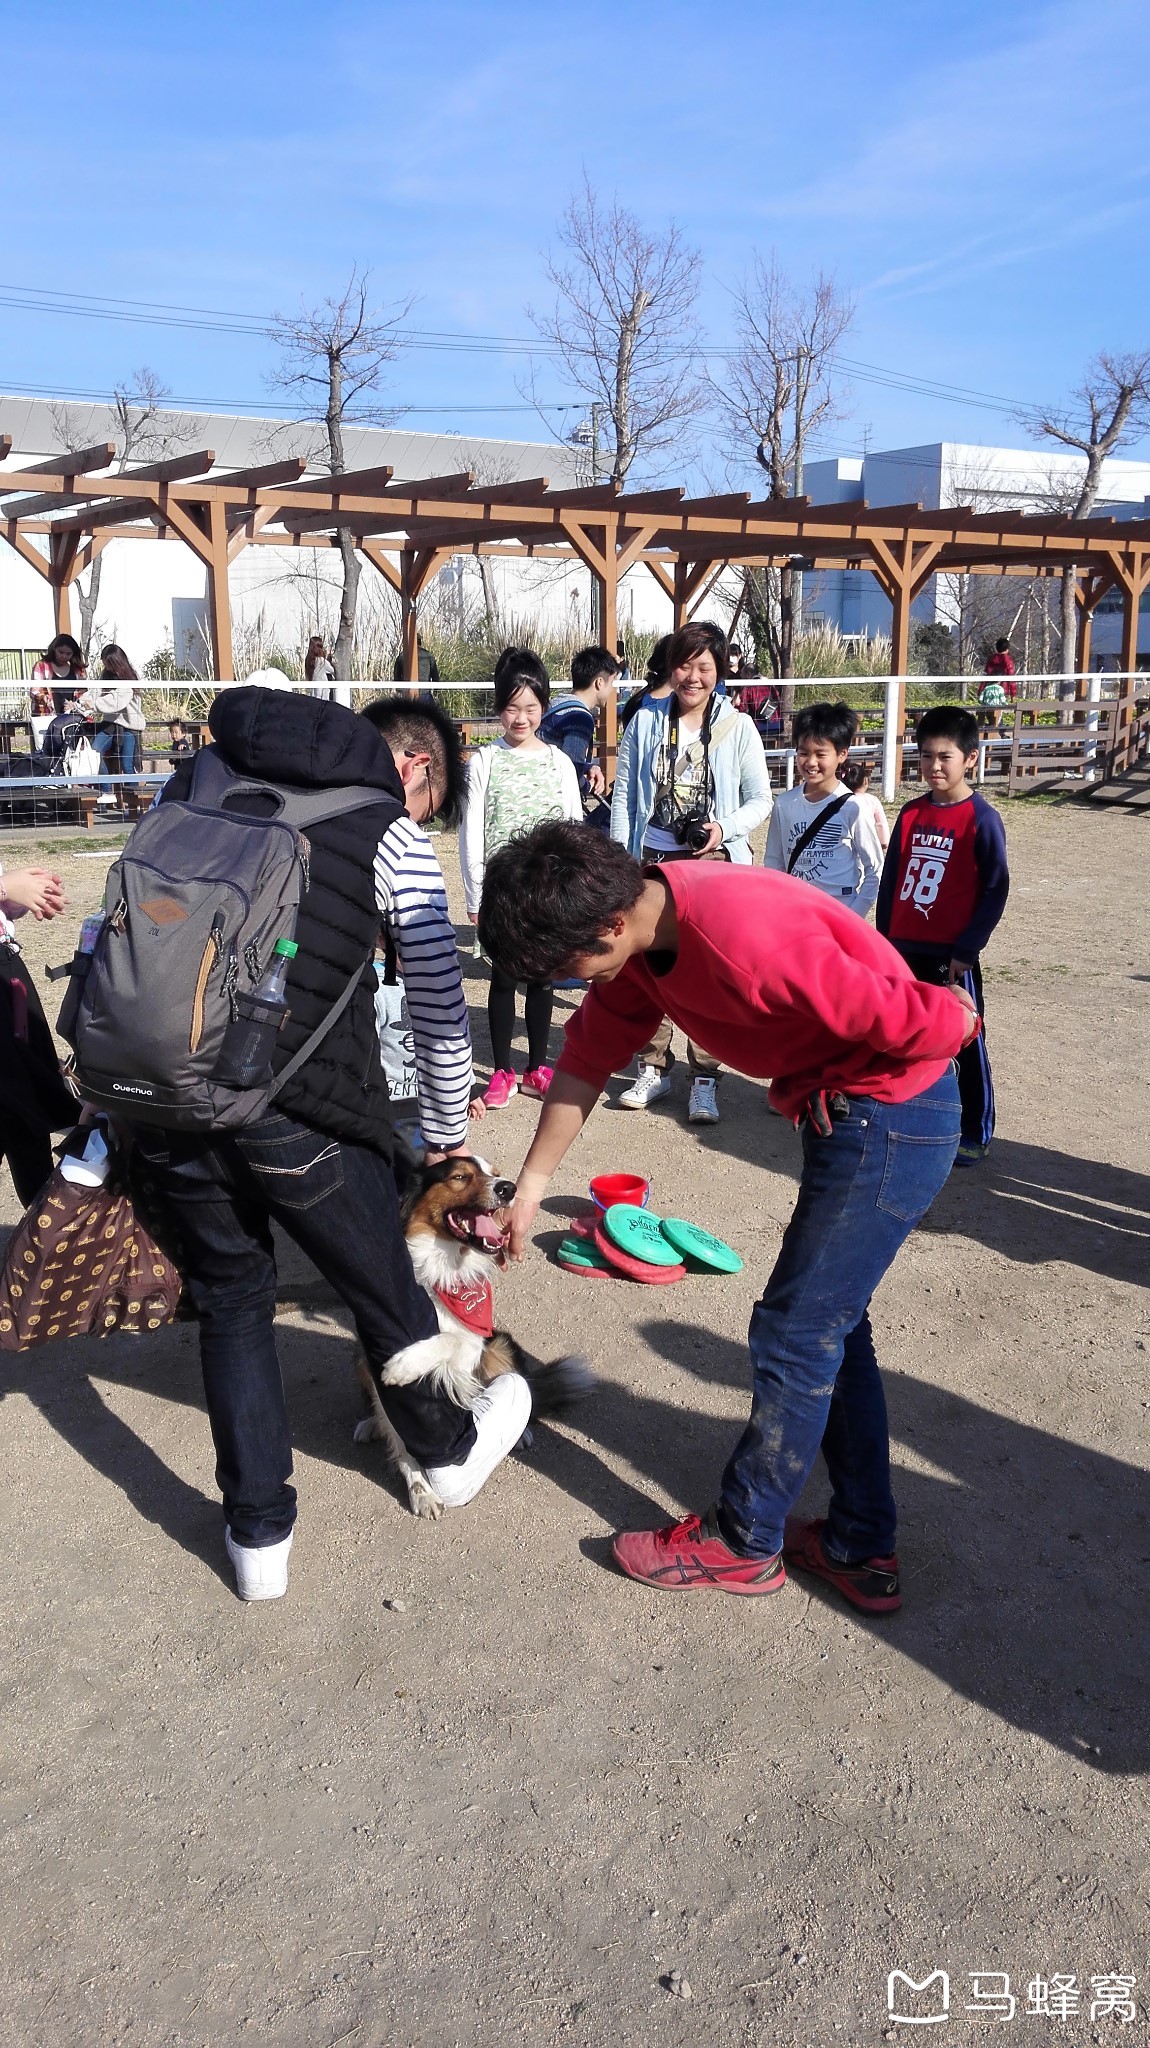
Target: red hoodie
{"type": "Point", "coordinates": [775, 979]}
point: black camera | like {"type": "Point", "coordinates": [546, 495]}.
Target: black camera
{"type": "Point", "coordinates": [692, 830]}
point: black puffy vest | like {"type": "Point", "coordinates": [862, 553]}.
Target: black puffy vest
{"type": "Point", "coordinates": [306, 743]}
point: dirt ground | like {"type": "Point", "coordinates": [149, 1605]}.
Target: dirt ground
{"type": "Point", "coordinates": [506, 1807]}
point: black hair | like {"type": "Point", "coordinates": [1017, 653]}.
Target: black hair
{"type": "Point", "coordinates": [949, 722]}
{"type": "Point", "coordinates": [116, 666]}
{"type": "Point", "coordinates": [701, 636]}
{"type": "Point", "coordinates": [589, 664]}
{"type": "Point", "coordinates": [657, 662]}
{"type": "Point", "coordinates": [549, 896]}
{"type": "Point", "coordinates": [1000, 646]}
{"type": "Point", "coordinates": [522, 675]}
{"type": "Point", "coordinates": [856, 774]}
{"type": "Point", "coordinates": [524, 661]}
{"type": "Point", "coordinates": [834, 722]}
{"type": "Point", "coordinates": [75, 657]}
{"type": "Point", "coordinates": [425, 727]}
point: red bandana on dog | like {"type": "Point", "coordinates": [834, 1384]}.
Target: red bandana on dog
{"type": "Point", "coordinates": [472, 1303]}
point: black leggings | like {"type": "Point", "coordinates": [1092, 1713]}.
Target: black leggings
{"type": "Point", "coordinates": [501, 1019]}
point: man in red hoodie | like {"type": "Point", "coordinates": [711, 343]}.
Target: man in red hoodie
{"type": "Point", "coordinates": [775, 979]}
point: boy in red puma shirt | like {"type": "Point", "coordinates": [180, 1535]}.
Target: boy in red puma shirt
{"type": "Point", "coordinates": [776, 979]}
{"type": "Point", "coordinates": [943, 889]}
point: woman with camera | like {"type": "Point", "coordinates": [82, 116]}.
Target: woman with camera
{"type": "Point", "coordinates": [691, 784]}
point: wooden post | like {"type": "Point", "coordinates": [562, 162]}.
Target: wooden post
{"type": "Point", "coordinates": [679, 600]}
{"type": "Point", "coordinates": [1133, 584]}
{"type": "Point", "coordinates": [219, 599]}
{"type": "Point", "coordinates": [899, 656]}
{"type": "Point", "coordinates": [408, 615]}
{"type": "Point", "coordinates": [607, 588]}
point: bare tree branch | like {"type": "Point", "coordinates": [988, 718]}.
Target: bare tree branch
{"type": "Point", "coordinates": [774, 390]}
{"type": "Point", "coordinates": [332, 359]}
{"type": "Point", "coordinates": [624, 327]}
{"type": "Point", "coordinates": [1110, 407]}
{"type": "Point", "coordinates": [143, 432]}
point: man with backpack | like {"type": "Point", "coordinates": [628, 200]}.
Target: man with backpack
{"type": "Point", "coordinates": [249, 1108]}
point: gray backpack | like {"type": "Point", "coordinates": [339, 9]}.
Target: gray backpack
{"type": "Point", "coordinates": [163, 1015]}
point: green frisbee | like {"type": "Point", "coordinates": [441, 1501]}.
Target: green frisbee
{"type": "Point", "coordinates": [576, 1251]}
{"type": "Point", "coordinates": [640, 1235]}
{"type": "Point", "coordinates": [692, 1243]}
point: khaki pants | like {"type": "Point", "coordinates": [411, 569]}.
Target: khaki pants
{"type": "Point", "coordinates": [657, 1053]}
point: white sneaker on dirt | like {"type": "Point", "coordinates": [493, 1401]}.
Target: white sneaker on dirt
{"type": "Point", "coordinates": [501, 1415]}
{"type": "Point", "coordinates": [650, 1087]}
{"type": "Point", "coordinates": [260, 1574]}
{"type": "Point", "coordinates": [703, 1107]}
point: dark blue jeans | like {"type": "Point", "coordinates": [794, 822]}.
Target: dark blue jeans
{"type": "Point", "coordinates": [110, 739]}
{"type": "Point", "coordinates": [211, 1201]}
{"type": "Point", "coordinates": [817, 1382]}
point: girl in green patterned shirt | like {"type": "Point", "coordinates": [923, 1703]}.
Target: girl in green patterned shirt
{"type": "Point", "coordinates": [515, 783]}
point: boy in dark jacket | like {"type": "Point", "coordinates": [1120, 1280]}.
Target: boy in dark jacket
{"type": "Point", "coordinates": [944, 887]}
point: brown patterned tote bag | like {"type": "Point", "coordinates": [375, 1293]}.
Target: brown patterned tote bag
{"type": "Point", "coordinates": [80, 1265]}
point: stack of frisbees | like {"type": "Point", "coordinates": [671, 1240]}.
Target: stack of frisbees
{"type": "Point", "coordinates": [630, 1243]}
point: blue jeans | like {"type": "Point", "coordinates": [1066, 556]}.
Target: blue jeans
{"type": "Point", "coordinates": [106, 738]}
{"type": "Point", "coordinates": [816, 1379]}
{"type": "Point", "coordinates": [210, 1201]}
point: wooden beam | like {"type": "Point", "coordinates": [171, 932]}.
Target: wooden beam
{"type": "Point", "coordinates": [373, 553]}
{"type": "Point", "coordinates": [170, 470]}
{"type": "Point", "coordinates": [252, 523]}
{"type": "Point", "coordinates": [662, 577]}
{"type": "Point", "coordinates": [24, 548]}
{"type": "Point", "coordinates": [73, 461]}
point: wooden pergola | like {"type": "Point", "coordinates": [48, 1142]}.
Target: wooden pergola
{"type": "Point", "coordinates": [58, 514]}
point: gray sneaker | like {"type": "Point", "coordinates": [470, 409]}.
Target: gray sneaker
{"type": "Point", "coordinates": [704, 1106]}
{"type": "Point", "coordinates": [260, 1574]}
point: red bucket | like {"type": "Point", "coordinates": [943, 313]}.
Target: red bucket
{"type": "Point", "coordinates": [609, 1188]}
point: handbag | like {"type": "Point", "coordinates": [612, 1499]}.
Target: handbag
{"type": "Point", "coordinates": [81, 1265]}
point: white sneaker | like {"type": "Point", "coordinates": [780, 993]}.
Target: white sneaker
{"type": "Point", "coordinates": [650, 1087]}
{"type": "Point", "coordinates": [260, 1574]}
{"type": "Point", "coordinates": [501, 1415]}
{"type": "Point", "coordinates": [703, 1107]}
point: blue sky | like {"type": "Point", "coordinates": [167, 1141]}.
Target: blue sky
{"type": "Point", "coordinates": [976, 175]}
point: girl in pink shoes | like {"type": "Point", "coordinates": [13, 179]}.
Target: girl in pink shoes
{"type": "Point", "coordinates": [515, 783]}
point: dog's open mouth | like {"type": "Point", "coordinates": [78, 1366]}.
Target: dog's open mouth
{"type": "Point", "coordinates": [476, 1227]}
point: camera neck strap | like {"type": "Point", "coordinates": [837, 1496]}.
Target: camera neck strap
{"type": "Point", "coordinates": [673, 751]}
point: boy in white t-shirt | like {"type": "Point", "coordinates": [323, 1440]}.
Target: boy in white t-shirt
{"type": "Point", "coordinates": [819, 831]}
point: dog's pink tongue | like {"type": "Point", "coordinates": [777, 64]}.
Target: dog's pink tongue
{"type": "Point", "coordinates": [487, 1230]}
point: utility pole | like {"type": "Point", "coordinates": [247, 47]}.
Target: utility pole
{"type": "Point", "coordinates": [596, 409]}
{"type": "Point", "coordinates": [796, 573]}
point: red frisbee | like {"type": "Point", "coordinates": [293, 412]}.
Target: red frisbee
{"type": "Point", "coordinates": [635, 1269]}
{"type": "Point", "coordinates": [583, 1270]}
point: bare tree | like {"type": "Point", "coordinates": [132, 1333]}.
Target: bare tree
{"type": "Point", "coordinates": [143, 431]}
{"type": "Point", "coordinates": [332, 358]}
{"type": "Point", "coordinates": [775, 388]}
{"type": "Point", "coordinates": [1111, 406]}
{"type": "Point", "coordinates": [624, 327]}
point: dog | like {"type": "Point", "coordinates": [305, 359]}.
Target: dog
{"type": "Point", "coordinates": [455, 1220]}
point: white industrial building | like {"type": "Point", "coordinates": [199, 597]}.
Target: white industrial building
{"type": "Point", "coordinates": [945, 473]}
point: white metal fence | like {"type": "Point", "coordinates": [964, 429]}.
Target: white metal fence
{"type": "Point", "coordinates": [31, 797]}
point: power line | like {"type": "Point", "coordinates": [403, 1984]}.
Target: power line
{"type": "Point", "coordinates": [16, 388]}
{"type": "Point", "coordinates": [200, 319]}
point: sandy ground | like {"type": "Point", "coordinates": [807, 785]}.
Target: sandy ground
{"type": "Point", "coordinates": [507, 1807]}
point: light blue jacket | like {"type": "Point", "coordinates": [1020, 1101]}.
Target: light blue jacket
{"type": "Point", "coordinates": [738, 769]}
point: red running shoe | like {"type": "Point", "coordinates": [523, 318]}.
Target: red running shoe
{"type": "Point", "coordinates": [871, 1584]}
{"type": "Point", "coordinates": [692, 1553]}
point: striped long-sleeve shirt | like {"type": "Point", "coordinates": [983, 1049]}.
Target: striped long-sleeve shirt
{"type": "Point", "coordinates": [412, 904]}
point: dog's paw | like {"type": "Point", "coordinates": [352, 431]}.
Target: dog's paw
{"type": "Point", "coordinates": [366, 1432]}
{"type": "Point", "coordinates": [421, 1499]}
